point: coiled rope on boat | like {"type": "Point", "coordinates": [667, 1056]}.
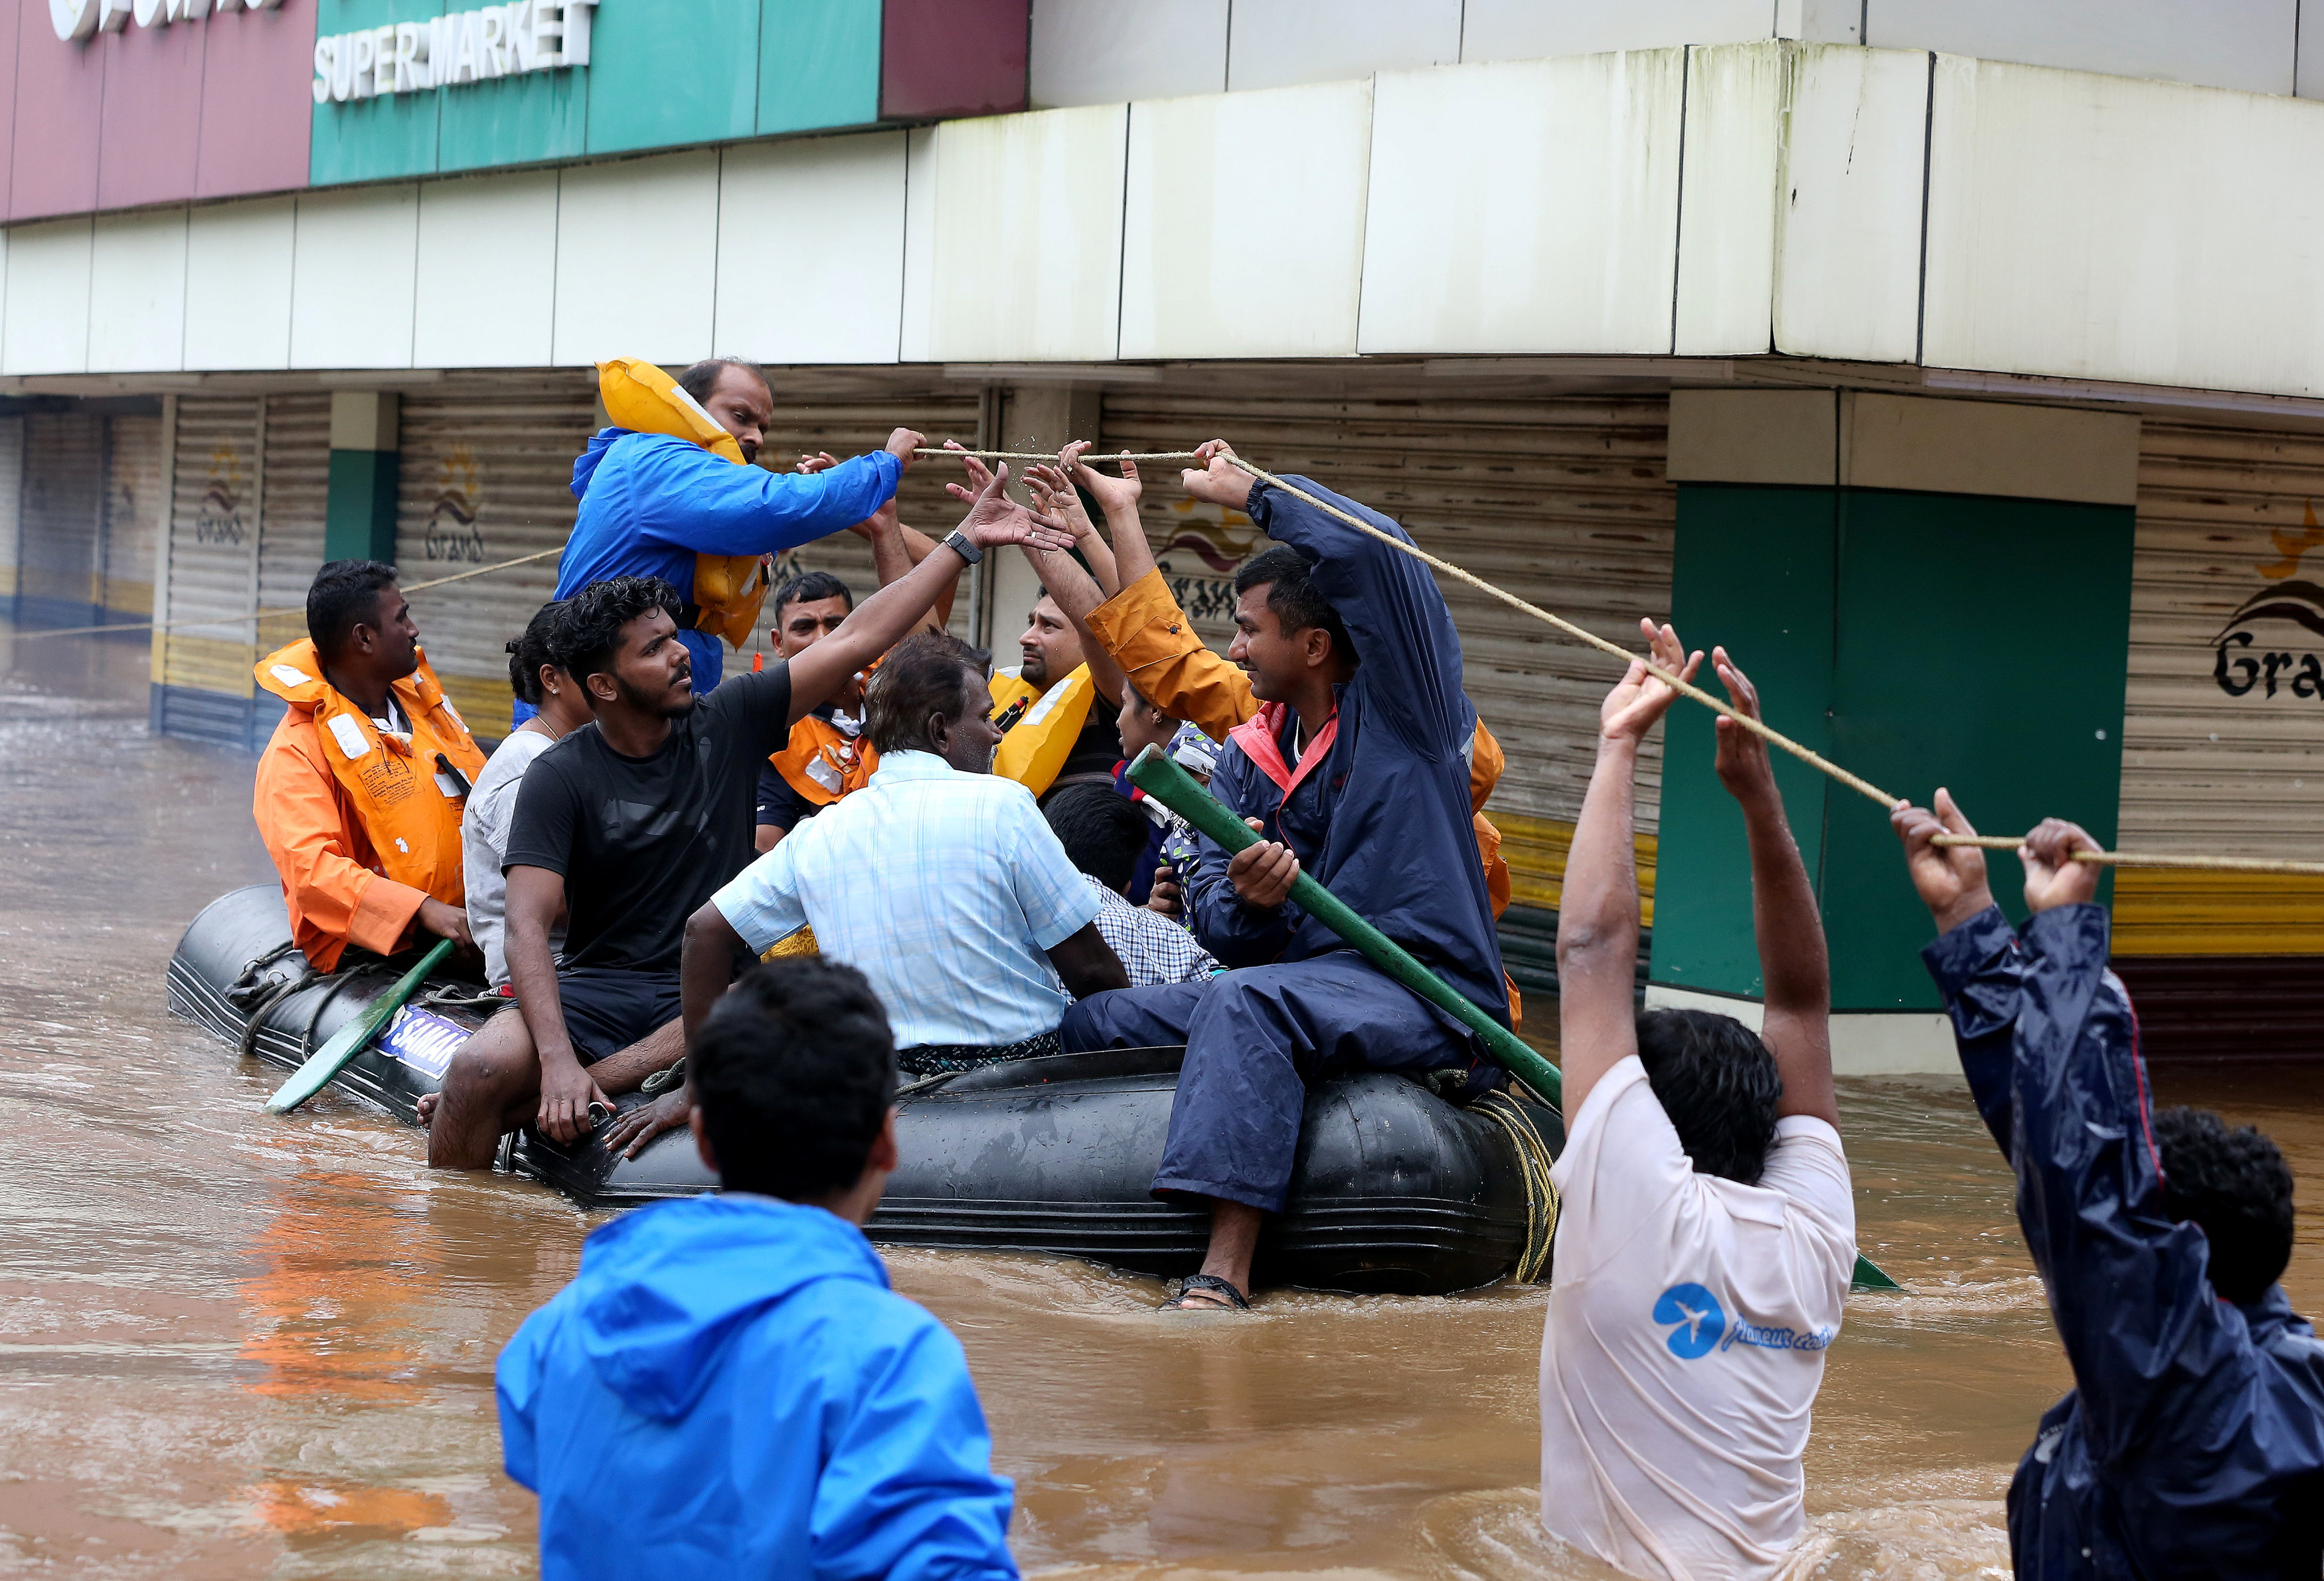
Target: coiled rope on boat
{"type": "Point", "coordinates": [1532, 1169]}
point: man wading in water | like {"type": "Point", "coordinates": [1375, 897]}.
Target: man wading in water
{"type": "Point", "coordinates": [629, 824]}
{"type": "Point", "coordinates": [1356, 767]}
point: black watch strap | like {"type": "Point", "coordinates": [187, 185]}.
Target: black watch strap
{"type": "Point", "coordinates": [958, 542]}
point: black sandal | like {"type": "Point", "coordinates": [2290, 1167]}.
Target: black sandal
{"type": "Point", "coordinates": [1239, 1302]}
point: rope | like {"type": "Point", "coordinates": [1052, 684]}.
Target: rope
{"type": "Point", "coordinates": [194, 620]}
{"type": "Point", "coordinates": [1533, 1170]}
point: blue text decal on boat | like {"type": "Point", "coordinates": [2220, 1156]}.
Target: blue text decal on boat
{"type": "Point", "coordinates": [423, 1041]}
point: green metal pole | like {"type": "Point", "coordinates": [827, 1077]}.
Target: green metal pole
{"type": "Point", "coordinates": [1175, 789]}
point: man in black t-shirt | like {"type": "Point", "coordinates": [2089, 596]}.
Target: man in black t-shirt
{"type": "Point", "coordinates": [627, 825]}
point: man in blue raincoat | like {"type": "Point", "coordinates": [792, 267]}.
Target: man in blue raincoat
{"type": "Point", "coordinates": [729, 1388]}
{"type": "Point", "coordinates": [2193, 1441]}
{"type": "Point", "coordinates": [1355, 770]}
{"type": "Point", "coordinates": [650, 503]}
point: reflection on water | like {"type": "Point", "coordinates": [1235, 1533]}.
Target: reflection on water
{"type": "Point", "coordinates": [235, 1345]}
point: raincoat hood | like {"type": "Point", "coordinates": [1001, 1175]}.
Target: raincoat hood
{"type": "Point", "coordinates": [661, 1290]}
{"type": "Point", "coordinates": [585, 465]}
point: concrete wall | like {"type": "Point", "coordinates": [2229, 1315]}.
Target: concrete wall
{"type": "Point", "coordinates": [1874, 206]}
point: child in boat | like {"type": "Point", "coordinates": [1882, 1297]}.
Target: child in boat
{"type": "Point", "coordinates": [2193, 1444]}
{"type": "Point", "coordinates": [1105, 834]}
{"type": "Point", "coordinates": [1706, 1231]}
{"type": "Point", "coordinates": [729, 1387]}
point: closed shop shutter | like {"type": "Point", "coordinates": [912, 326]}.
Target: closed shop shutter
{"type": "Point", "coordinates": [487, 475]}
{"type": "Point", "coordinates": [136, 486]}
{"type": "Point", "coordinates": [292, 501]}
{"type": "Point", "coordinates": [805, 423]}
{"type": "Point", "coordinates": [1561, 500]}
{"type": "Point", "coordinates": [2223, 738]}
{"type": "Point", "coordinates": [204, 664]}
{"type": "Point", "coordinates": [57, 564]}
{"type": "Point", "coordinates": [12, 499]}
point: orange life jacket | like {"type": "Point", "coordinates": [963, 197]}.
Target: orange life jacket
{"type": "Point", "coordinates": [1038, 744]}
{"type": "Point", "coordinates": [728, 589]}
{"type": "Point", "coordinates": [823, 763]}
{"type": "Point", "coordinates": [410, 805]}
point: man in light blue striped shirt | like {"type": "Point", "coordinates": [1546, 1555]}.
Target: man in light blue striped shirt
{"type": "Point", "coordinates": [942, 883]}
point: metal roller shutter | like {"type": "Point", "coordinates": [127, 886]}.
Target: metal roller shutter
{"type": "Point", "coordinates": [59, 570]}
{"type": "Point", "coordinates": [1562, 501]}
{"type": "Point", "coordinates": [294, 498]}
{"type": "Point", "coordinates": [487, 475]}
{"type": "Point", "coordinates": [205, 669]}
{"type": "Point", "coordinates": [804, 424]}
{"type": "Point", "coordinates": [2227, 580]}
{"type": "Point", "coordinates": [12, 499]}
{"type": "Point", "coordinates": [136, 504]}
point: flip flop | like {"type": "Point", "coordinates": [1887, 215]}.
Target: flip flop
{"type": "Point", "coordinates": [1239, 1302]}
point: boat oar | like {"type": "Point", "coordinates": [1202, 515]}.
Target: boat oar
{"type": "Point", "coordinates": [1175, 789]}
{"type": "Point", "coordinates": [351, 1039]}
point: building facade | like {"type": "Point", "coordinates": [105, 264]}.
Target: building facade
{"type": "Point", "coordinates": [1959, 365]}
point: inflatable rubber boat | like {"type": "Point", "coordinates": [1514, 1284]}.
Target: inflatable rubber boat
{"type": "Point", "coordinates": [1395, 1189]}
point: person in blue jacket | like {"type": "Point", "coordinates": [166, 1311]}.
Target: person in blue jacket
{"type": "Point", "coordinates": [1355, 770]}
{"type": "Point", "coordinates": [650, 503]}
{"type": "Point", "coordinates": [729, 1388]}
{"type": "Point", "coordinates": [2192, 1442]}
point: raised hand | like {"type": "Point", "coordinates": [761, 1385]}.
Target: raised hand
{"type": "Point", "coordinates": [979, 475]}
{"type": "Point", "coordinates": [994, 518]}
{"type": "Point", "coordinates": [1639, 697]}
{"type": "Point", "coordinates": [883, 520]}
{"type": "Point", "coordinates": [902, 443]}
{"type": "Point", "coordinates": [1218, 481]}
{"type": "Point", "coordinates": [1111, 493]}
{"type": "Point", "coordinates": [2053, 876]}
{"type": "Point", "coordinates": [1951, 879]}
{"type": "Point", "coordinates": [1742, 762]}
{"type": "Point", "coordinates": [1054, 492]}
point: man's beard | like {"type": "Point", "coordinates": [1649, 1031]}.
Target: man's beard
{"type": "Point", "coordinates": [1035, 670]}
{"type": "Point", "coordinates": [650, 704]}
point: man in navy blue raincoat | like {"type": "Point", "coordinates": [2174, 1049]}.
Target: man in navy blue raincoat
{"type": "Point", "coordinates": [650, 503]}
{"type": "Point", "coordinates": [729, 1388]}
{"type": "Point", "coordinates": [1355, 771]}
{"type": "Point", "coordinates": [2193, 1442]}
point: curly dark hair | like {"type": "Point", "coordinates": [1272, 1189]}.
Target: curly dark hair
{"type": "Point", "coordinates": [587, 632]}
{"type": "Point", "coordinates": [1291, 592]}
{"type": "Point", "coordinates": [926, 674]}
{"type": "Point", "coordinates": [1718, 1083]}
{"type": "Point", "coordinates": [2236, 1188]}
{"type": "Point", "coordinates": [794, 1070]}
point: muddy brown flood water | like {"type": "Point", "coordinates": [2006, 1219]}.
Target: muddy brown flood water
{"type": "Point", "coordinates": [237, 1345]}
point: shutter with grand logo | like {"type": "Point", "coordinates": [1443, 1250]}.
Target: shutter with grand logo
{"type": "Point", "coordinates": [204, 659]}
{"type": "Point", "coordinates": [136, 504]}
{"type": "Point", "coordinates": [293, 501]}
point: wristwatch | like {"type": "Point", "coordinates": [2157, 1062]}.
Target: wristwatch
{"type": "Point", "coordinates": [958, 542]}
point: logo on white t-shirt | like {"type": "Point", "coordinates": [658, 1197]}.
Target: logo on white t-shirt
{"type": "Point", "coordinates": [1699, 1316]}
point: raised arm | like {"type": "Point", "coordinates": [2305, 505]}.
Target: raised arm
{"type": "Point", "coordinates": [1976, 960]}
{"type": "Point", "coordinates": [1117, 501]}
{"type": "Point", "coordinates": [692, 499]}
{"type": "Point", "coordinates": [882, 620]}
{"type": "Point", "coordinates": [895, 549]}
{"type": "Point", "coordinates": [1597, 914]}
{"type": "Point", "coordinates": [1794, 967]}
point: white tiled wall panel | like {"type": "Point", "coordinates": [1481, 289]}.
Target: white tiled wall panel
{"type": "Point", "coordinates": [1528, 29]}
{"type": "Point", "coordinates": [2106, 228]}
{"type": "Point", "coordinates": [137, 292]}
{"type": "Point", "coordinates": [1525, 208]}
{"type": "Point", "coordinates": [352, 278]}
{"type": "Point", "coordinates": [920, 244]}
{"type": "Point", "coordinates": [1847, 270]}
{"type": "Point", "coordinates": [487, 276]}
{"type": "Point", "coordinates": [2244, 44]}
{"type": "Point", "coordinates": [238, 258]}
{"type": "Point", "coordinates": [1728, 209]}
{"type": "Point", "coordinates": [46, 320]}
{"type": "Point", "coordinates": [1027, 236]}
{"type": "Point", "coordinates": [635, 274]}
{"type": "Point", "coordinates": [1105, 51]}
{"type": "Point", "coordinates": [811, 250]}
{"type": "Point", "coordinates": [1276, 43]}
{"type": "Point", "coordinates": [1207, 272]}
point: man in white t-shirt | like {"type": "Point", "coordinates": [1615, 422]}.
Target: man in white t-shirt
{"type": "Point", "coordinates": [1707, 1233]}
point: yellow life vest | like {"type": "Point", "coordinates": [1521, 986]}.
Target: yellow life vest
{"type": "Point", "coordinates": [410, 806]}
{"type": "Point", "coordinates": [823, 763]}
{"type": "Point", "coordinates": [1038, 744]}
{"type": "Point", "coordinates": [729, 588]}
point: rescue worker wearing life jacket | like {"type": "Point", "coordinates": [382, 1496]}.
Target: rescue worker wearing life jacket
{"type": "Point", "coordinates": [361, 790]}
{"type": "Point", "coordinates": [668, 491]}
{"type": "Point", "coordinates": [828, 755]}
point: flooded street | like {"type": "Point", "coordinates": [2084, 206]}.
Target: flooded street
{"type": "Point", "coordinates": [238, 1345]}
